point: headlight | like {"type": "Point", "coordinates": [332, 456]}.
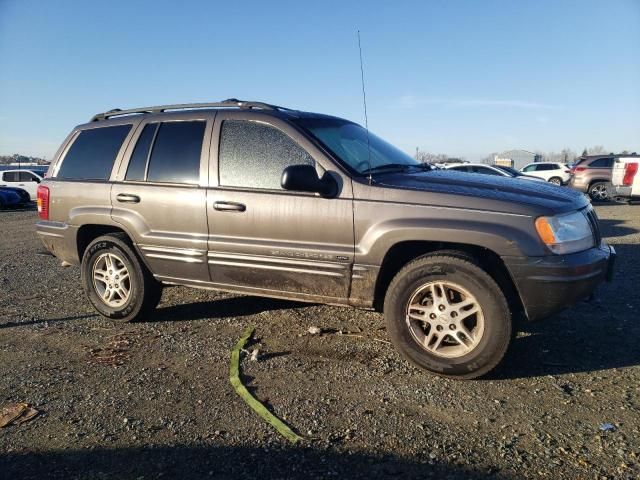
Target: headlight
{"type": "Point", "coordinates": [566, 233]}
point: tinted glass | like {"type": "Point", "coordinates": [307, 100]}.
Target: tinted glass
{"type": "Point", "coordinates": [511, 171]}
{"type": "Point", "coordinates": [175, 157]}
{"type": "Point", "coordinates": [484, 170]}
{"type": "Point", "coordinates": [10, 176]}
{"type": "Point", "coordinates": [138, 162]}
{"type": "Point", "coordinates": [92, 154]}
{"type": "Point", "coordinates": [26, 177]}
{"type": "Point", "coordinates": [254, 155]}
{"type": "Point", "coordinates": [544, 167]}
{"type": "Point", "coordinates": [530, 168]}
{"type": "Point", "coordinates": [601, 163]}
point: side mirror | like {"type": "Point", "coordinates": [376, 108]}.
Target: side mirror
{"type": "Point", "coordinates": [304, 178]}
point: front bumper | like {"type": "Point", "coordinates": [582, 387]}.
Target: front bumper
{"type": "Point", "coordinates": [549, 284]}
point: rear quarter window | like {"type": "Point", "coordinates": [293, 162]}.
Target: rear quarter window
{"type": "Point", "coordinates": [92, 154]}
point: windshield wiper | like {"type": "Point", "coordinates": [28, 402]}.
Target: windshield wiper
{"type": "Point", "coordinates": [391, 167]}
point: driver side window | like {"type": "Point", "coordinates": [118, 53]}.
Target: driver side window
{"type": "Point", "coordinates": [530, 168]}
{"type": "Point", "coordinates": [254, 155]}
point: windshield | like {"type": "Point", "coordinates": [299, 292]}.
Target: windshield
{"type": "Point", "coordinates": [511, 171]}
{"type": "Point", "coordinates": [348, 142]}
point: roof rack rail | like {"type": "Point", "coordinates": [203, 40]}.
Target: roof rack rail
{"type": "Point", "coordinates": [229, 103]}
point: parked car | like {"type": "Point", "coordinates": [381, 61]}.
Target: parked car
{"type": "Point", "coordinates": [592, 176]}
{"type": "Point", "coordinates": [552, 172]}
{"type": "Point", "coordinates": [25, 179]}
{"type": "Point", "coordinates": [257, 199]}
{"type": "Point", "coordinates": [495, 170]}
{"type": "Point", "coordinates": [13, 197]}
{"type": "Point", "coordinates": [625, 179]}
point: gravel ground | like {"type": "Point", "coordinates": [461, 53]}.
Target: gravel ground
{"type": "Point", "coordinates": [153, 399]}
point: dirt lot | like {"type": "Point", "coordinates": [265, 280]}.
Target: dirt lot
{"type": "Point", "coordinates": [153, 399]}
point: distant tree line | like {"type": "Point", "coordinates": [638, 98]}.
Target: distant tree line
{"type": "Point", "coordinates": [17, 158]}
{"type": "Point", "coordinates": [426, 157]}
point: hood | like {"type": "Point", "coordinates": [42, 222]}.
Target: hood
{"type": "Point", "coordinates": [501, 193]}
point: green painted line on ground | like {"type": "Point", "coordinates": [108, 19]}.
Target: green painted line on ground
{"type": "Point", "coordinates": [241, 390]}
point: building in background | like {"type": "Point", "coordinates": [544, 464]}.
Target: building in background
{"type": "Point", "coordinates": [516, 158]}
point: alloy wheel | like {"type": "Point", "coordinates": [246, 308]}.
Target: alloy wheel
{"type": "Point", "coordinates": [111, 280]}
{"type": "Point", "coordinates": [445, 319]}
{"type": "Point", "coordinates": [599, 192]}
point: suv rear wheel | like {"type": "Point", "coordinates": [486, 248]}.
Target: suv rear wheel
{"type": "Point", "coordinates": [116, 282]}
{"type": "Point", "coordinates": [448, 316]}
{"type": "Point", "coordinates": [598, 191]}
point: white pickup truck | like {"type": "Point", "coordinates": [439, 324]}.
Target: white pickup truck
{"type": "Point", "coordinates": [625, 178]}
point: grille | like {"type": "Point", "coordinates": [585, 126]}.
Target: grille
{"type": "Point", "coordinates": [595, 226]}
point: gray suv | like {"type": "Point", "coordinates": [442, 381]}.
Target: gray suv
{"type": "Point", "coordinates": [257, 199]}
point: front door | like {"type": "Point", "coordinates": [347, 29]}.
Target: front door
{"type": "Point", "coordinates": [161, 196]}
{"type": "Point", "coordinates": [263, 239]}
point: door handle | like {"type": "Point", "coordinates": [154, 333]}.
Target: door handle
{"type": "Point", "coordinates": [127, 198]}
{"type": "Point", "coordinates": [229, 206]}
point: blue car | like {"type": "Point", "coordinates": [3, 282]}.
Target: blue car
{"type": "Point", "coordinates": [13, 197]}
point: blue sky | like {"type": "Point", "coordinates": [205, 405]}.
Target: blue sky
{"type": "Point", "coordinates": [460, 77]}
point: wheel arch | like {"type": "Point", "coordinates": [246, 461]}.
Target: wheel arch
{"type": "Point", "coordinates": [89, 232]}
{"type": "Point", "coordinates": [400, 254]}
{"type": "Point", "coordinates": [598, 180]}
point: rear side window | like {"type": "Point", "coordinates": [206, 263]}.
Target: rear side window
{"type": "Point", "coordinates": [92, 154]}
{"type": "Point", "coordinates": [10, 176]}
{"type": "Point", "coordinates": [484, 171]}
{"type": "Point", "coordinates": [254, 155]}
{"type": "Point", "coordinates": [138, 163]}
{"type": "Point", "coordinates": [602, 163]}
{"type": "Point", "coordinates": [175, 155]}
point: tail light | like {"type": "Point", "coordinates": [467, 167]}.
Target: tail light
{"type": "Point", "coordinates": [575, 170]}
{"type": "Point", "coordinates": [43, 202]}
{"type": "Point", "coordinates": [630, 171]}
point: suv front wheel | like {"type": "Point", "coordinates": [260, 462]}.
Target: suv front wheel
{"type": "Point", "coordinates": [448, 316]}
{"type": "Point", "coordinates": [117, 284]}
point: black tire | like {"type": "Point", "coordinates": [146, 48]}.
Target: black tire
{"type": "Point", "coordinates": [461, 270]}
{"type": "Point", "coordinates": [145, 291]}
{"type": "Point", "coordinates": [598, 192]}
{"type": "Point", "coordinates": [556, 181]}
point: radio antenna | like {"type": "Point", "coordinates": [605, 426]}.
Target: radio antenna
{"type": "Point", "coordinates": [364, 101]}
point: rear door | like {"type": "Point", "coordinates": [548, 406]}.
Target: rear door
{"type": "Point", "coordinates": [600, 169]}
{"type": "Point", "coordinates": [160, 192]}
{"type": "Point", "coordinates": [262, 238]}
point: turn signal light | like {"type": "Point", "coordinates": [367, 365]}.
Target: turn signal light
{"type": "Point", "coordinates": [545, 231]}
